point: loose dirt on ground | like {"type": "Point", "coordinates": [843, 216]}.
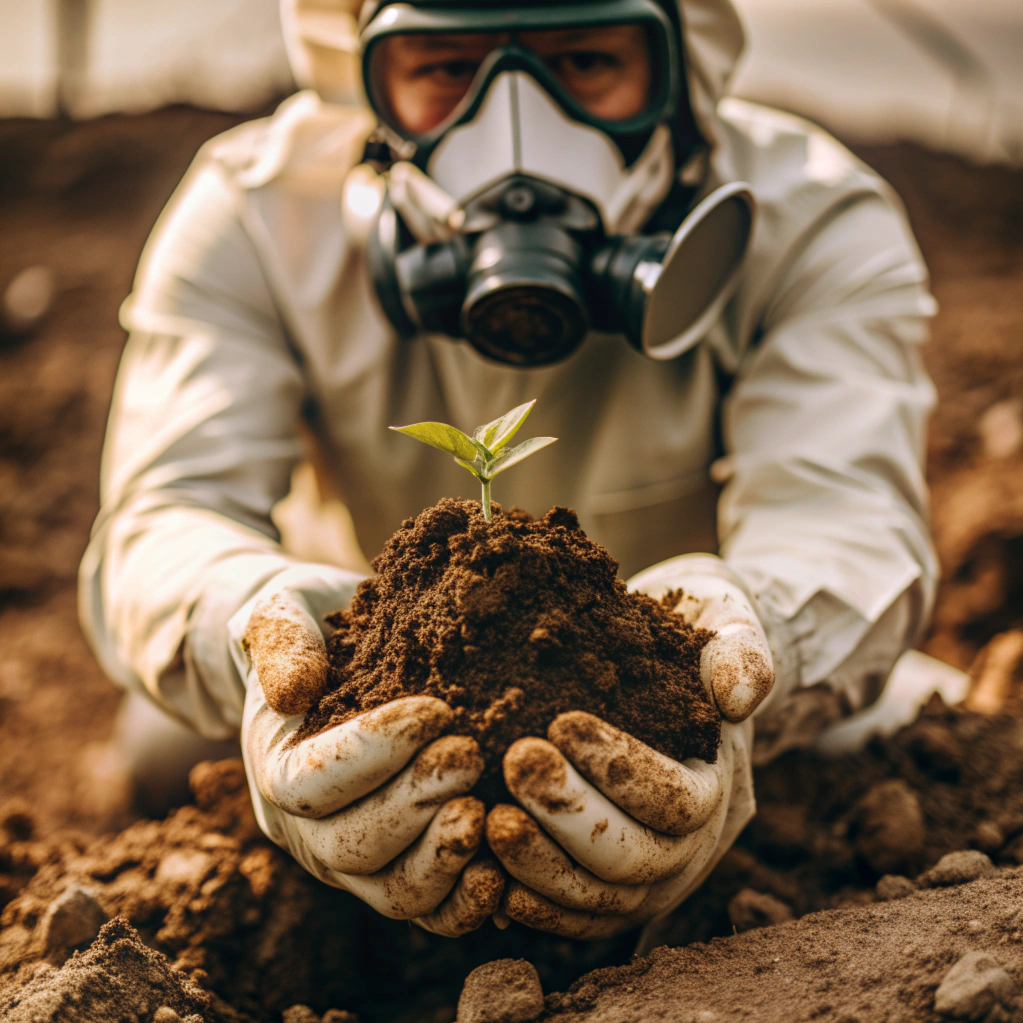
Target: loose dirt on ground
{"type": "Point", "coordinates": [247, 927]}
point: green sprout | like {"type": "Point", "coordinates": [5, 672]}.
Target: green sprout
{"type": "Point", "coordinates": [483, 454]}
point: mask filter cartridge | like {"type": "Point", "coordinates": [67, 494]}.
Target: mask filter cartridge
{"type": "Point", "coordinates": [531, 271]}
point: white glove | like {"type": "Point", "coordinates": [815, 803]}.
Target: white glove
{"type": "Point", "coordinates": [347, 803]}
{"type": "Point", "coordinates": [617, 833]}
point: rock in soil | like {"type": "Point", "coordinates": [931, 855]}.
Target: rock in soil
{"type": "Point", "coordinates": [958, 868]}
{"type": "Point", "coordinates": [974, 987]}
{"type": "Point", "coordinates": [890, 827]}
{"type": "Point", "coordinates": [73, 918]}
{"type": "Point", "coordinates": [513, 622]}
{"type": "Point", "coordinates": [894, 886]}
{"type": "Point", "coordinates": [502, 991]}
{"type": "Point", "coordinates": [749, 909]}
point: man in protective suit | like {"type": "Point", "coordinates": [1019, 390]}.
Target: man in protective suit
{"type": "Point", "coordinates": [720, 311]}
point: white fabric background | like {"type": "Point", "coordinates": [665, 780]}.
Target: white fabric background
{"type": "Point", "coordinates": [869, 70]}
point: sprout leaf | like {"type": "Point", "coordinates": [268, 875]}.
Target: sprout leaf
{"type": "Point", "coordinates": [483, 453]}
{"type": "Point", "coordinates": [517, 453]}
{"type": "Point", "coordinates": [494, 436]}
{"type": "Point", "coordinates": [440, 435]}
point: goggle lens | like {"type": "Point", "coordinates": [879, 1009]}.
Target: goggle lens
{"type": "Point", "coordinates": [419, 79]}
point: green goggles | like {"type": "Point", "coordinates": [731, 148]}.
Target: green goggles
{"type": "Point", "coordinates": [613, 65]}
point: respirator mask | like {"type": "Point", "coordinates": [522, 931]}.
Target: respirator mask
{"type": "Point", "coordinates": [523, 148]}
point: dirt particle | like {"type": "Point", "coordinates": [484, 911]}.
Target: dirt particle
{"type": "Point", "coordinates": [973, 987]}
{"type": "Point", "coordinates": [958, 868]}
{"type": "Point", "coordinates": [890, 827]}
{"type": "Point", "coordinates": [73, 918]}
{"type": "Point", "coordinates": [894, 886]}
{"type": "Point", "coordinates": [502, 991]}
{"type": "Point", "coordinates": [989, 837]}
{"type": "Point", "coordinates": [750, 909]}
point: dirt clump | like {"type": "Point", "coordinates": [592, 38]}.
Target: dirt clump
{"type": "Point", "coordinates": [502, 991]}
{"type": "Point", "coordinates": [117, 978]}
{"type": "Point", "coordinates": [513, 622]}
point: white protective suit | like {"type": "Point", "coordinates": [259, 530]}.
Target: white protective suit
{"type": "Point", "coordinates": [789, 439]}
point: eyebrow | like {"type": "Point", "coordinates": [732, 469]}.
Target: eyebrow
{"type": "Point", "coordinates": [427, 43]}
{"type": "Point", "coordinates": [570, 35]}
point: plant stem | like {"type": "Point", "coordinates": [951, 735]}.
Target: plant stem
{"type": "Point", "coordinates": [486, 499]}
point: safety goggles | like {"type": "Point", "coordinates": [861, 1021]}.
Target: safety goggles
{"type": "Point", "coordinates": [588, 56]}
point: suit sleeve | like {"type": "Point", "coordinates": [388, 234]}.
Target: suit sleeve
{"type": "Point", "coordinates": [823, 512]}
{"type": "Point", "coordinates": [202, 438]}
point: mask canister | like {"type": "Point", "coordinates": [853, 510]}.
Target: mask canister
{"type": "Point", "coordinates": [512, 220]}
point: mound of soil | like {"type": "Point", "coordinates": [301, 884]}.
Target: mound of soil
{"type": "Point", "coordinates": [242, 920]}
{"type": "Point", "coordinates": [117, 978]}
{"type": "Point", "coordinates": [868, 964]}
{"type": "Point", "coordinates": [512, 622]}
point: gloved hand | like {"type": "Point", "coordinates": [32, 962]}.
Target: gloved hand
{"type": "Point", "coordinates": [376, 805]}
{"type": "Point", "coordinates": [611, 833]}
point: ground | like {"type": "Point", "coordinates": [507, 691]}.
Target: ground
{"type": "Point", "coordinates": [81, 199]}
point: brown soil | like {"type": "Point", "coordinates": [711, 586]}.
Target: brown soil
{"type": "Point", "coordinates": [243, 920]}
{"type": "Point", "coordinates": [869, 964]}
{"type": "Point", "coordinates": [80, 198]}
{"type": "Point", "coordinates": [513, 622]}
{"type": "Point", "coordinates": [117, 976]}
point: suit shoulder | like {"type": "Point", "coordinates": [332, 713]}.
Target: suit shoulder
{"type": "Point", "coordinates": [306, 145]}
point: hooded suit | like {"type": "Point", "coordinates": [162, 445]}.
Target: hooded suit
{"type": "Point", "coordinates": [789, 438]}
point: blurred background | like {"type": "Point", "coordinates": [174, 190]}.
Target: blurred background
{"type": "Point", "coordinates": [944, 73]}
{"type": "Point", "coordinates": [103, 103]}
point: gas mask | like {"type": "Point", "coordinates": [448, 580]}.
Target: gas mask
{"type": "Point", "coordinates": [527, 146]}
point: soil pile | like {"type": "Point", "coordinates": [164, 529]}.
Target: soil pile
{"type": "Point", "coordinates": [242, 920]}
{"type": "Point", "coordinates": [205, 889]}
{"type": "Point", "coordinates": [512, 622]}
{"type": "Point", "coordinates": [869, 964]}
{"type": "Point", "coordinates": [117, 978]}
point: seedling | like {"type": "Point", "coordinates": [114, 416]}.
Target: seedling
{"type": "Point", "coordinates": [484, 454]}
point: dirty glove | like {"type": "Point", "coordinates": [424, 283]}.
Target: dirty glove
{"type": "Point", "coordinates": [610, 833]}
{"type": "Point", "coordinates": [376, 805]}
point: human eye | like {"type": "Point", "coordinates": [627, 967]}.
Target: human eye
{"type": "Point", "coordinates": [587, 61]}
{"type": "Point", "coordinates": [449, 72]}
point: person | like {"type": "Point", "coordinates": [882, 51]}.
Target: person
{"type": "Point", "coordinates": [721, 312]}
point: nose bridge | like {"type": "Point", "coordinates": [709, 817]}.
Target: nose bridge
{"type": "Point", "coordinates": [479, 153]}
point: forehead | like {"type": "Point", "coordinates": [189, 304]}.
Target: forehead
{"type": "Point", "coordinates": [430, 43]}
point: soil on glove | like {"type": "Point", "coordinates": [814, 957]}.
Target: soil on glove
{"type": "Point", "coordinates": [513, 622]}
